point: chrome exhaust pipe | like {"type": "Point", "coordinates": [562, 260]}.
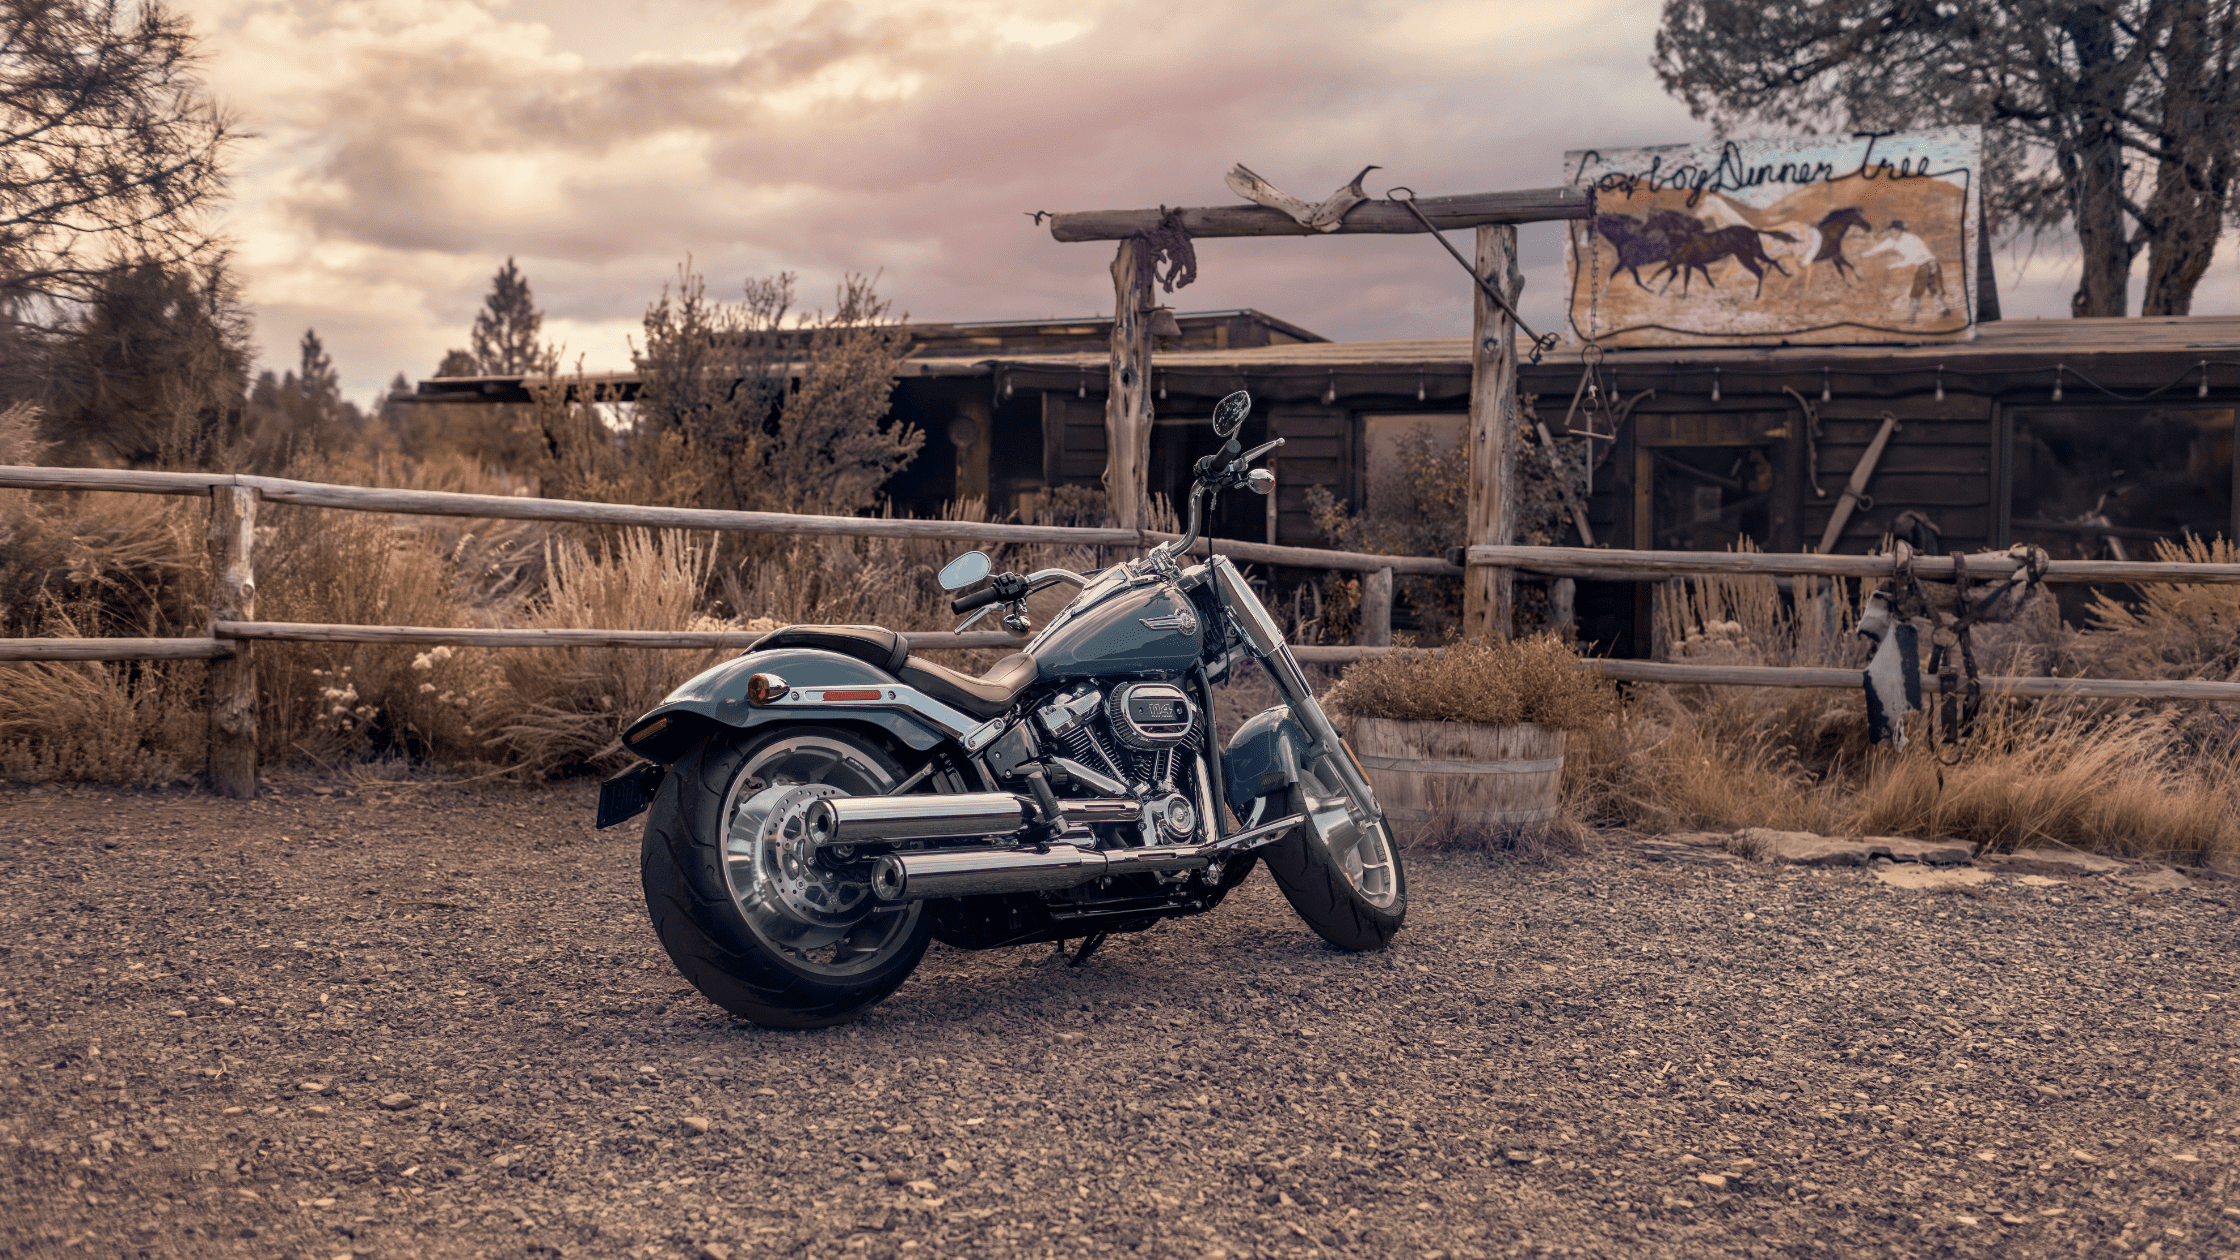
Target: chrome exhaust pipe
{"type": "Point", "coordinates": [959, 816]}
{"type": "Point", "coordinates": [933, 874]}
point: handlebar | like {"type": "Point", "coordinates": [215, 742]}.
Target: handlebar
{"type": "Point", "coordinates": [977, 599]}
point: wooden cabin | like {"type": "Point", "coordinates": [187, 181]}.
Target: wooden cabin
{"type": "Point", "coordinates": [2090, 438]}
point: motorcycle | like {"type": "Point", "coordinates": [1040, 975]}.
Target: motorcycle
{"type": "Point", "coordinates": [822, 807]}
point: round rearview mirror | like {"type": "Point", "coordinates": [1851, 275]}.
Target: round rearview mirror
{"type": "Point", "coordinates": [1229, 413]}
{"type": "Point", "coordinates": [1261, 480]}
{"type": "Point", "coordinates": [964, 571]}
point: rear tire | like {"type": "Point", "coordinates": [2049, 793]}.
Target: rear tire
{"type": "Point", "coordinates": [712, 902]}
{"type": "Point", "coordinates": [1356, 903]}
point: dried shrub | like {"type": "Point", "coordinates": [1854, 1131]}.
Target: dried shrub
{"type": "Point", "coordinates": [332, 702]}
{"type": "Point", "coordinates": [2060, 775]}
{"type": "Point", "coordinates": [551, 711]}
{"type": "Point", "coordinates": [1500, 684]}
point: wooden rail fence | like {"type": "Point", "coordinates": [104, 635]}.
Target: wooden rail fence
{"type": "Point", "coordinates": [233, 625]}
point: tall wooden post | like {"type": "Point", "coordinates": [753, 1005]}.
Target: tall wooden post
{"type": "Point", "coordinates": [1127, 400]}
{"type": "Point", "coordinates": [233, 680]}
{"type": "Point", "coordinates": [1488, 591]}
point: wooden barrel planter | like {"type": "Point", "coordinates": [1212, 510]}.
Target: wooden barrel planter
{"type": "Point", "coordinates": [1457, 774]}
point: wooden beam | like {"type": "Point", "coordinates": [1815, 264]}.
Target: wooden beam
{"type": "Point", "coordinates": [114, 649]}
{"type": "Point", "coordinates": [232, 720]}
{"type": "Point", "coordinates": [1535, 205]}
{"type": "Point", "coordinates": [1127, 398]}
{"type": "Point", "coordinates": [1579, 562]}
{"type": "Point", "coordinates": [1489, 591]}
{"type": "Point", "coordinates": [1838, 679]}
{"type": "Point", "coordinates": [465, 636]}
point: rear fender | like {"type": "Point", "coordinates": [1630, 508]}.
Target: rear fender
{"type": "Point", "coordinates": [1263, 757]}
{"type": "Point", "coordinates": [717, 698]}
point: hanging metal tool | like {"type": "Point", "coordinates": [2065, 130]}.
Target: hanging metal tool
{"type": "Point", "coordinates": [1540, 344]}
{"type": "Point", "coordinates": [1855, 492]}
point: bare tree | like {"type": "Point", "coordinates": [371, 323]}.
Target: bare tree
{"type": "Point", "coordinates": [2066, 90]}
{"type": "Point", "coordinates": [110, 151]}
{"type": "Point", "coordinates": [781, 419]}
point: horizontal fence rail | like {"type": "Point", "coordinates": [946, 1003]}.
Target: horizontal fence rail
{"type": "Point", "coordinates": [232, 626]}
{"type": "Point", "coordinates": [1618, 566]}
{"type": "Point", "coordinates": [1680, 673]}
{"type": "Point", "coordinates": [579, 512]}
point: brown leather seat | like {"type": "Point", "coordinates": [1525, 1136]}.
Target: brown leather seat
{"type": "Point", "coordinates": [985, 696]}
{"type": "Point", "coordinates": [873, 645]}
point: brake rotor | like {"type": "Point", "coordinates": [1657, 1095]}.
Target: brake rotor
{"type": "Point", "coordinates": [771, 859]}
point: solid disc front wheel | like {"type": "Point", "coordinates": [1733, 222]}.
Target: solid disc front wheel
{"type": "Point", "coordinates": [1340, 869]}
{"type": "Point", "coordinates": [739, 898]}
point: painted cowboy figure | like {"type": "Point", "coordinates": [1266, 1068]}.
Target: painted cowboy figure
{"type": "Point", "coordinates": [1909, 250]}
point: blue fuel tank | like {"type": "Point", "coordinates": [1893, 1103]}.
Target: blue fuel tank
{"type": "Point", "coordinates": [1151, 629]}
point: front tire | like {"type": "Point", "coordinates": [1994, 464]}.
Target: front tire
{"type": "Point", "coordinates": [760, 932]}
{"type": "Point", "coordinates": [1356, 900]}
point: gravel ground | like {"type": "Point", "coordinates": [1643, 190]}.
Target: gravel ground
{"type": "Point", "coordinates": [433, 1023]}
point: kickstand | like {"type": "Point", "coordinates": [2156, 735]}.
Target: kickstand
{"type": "Point", "coordinates": [1088, 947]}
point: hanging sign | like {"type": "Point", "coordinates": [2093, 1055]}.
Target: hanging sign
{"type": "Point", "coordinates": [1810, 240]}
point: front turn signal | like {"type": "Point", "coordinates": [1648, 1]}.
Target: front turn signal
{"type": "Point", "coordinates": [766, 689]}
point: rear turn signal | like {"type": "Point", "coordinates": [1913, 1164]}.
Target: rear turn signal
{"type": "Point", "coordinates": [766, 689]}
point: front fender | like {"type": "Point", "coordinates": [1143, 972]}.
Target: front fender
{"type": "Point", "coordinates": [1263, 757]}
{"type": "Point", "coordinates": [718, 697]}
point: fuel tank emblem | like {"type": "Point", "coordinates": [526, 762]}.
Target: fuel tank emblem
{"type": "Point", "coordinates": [1180, 619]}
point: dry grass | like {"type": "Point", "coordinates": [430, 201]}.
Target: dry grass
{"type": "Point", "coordinates": [553, 710]}
{"type": "Point", "coordinates": [2141, 780]}
{"type": "Point", "coordinates": [1502, 684]}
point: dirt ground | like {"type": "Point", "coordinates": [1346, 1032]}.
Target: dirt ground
{"type": "Point", "coordinates": [432, 1023]}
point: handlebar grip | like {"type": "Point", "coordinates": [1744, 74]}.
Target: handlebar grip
{"type": "Point", "coordinates": [977, 599]}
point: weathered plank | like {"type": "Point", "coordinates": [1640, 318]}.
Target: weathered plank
{"type": "Point", "coordinates": [1489, 593]}
{"type": "Point", "coordinates": [114, 649]}
{"type": "Point", "coordinates": [472, 636]}
{"type": "Point", "coordinates": [1579, 561]}
{"type": "Point", "coordinates": [1537, 205]}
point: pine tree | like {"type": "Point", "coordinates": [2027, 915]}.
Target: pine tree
{"type": "Point", "coordinates": [505, 333]}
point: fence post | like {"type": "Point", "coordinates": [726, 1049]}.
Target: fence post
{"type": "Point", "coordinates": [1489, 591]}
{"type": "Point", "coordinates": [233, 680]}
{"type": "Point", "coordinates": [1376, 609]}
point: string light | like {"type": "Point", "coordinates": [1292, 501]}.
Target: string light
{"type": "Point", "coordinates": [1007, 385]}
{"type": "Point", "coordinates": [1162, 387]}
{"type": "Point", "coordinates": [2057, 368]}
{"type": "Point", "coordinates": [1940, 382]}
{"type": "Point", "coordinates": [1330, 391]}
{"type": "Point", "coordinates": [1419, 387]}
{"type": "Point", "coordinates": [1826, 389]}
{"type": "Point", "coordinates": [1083, 392]}
{"type": "Point", "coordinates": [2203, 391]}
{"type": "Point", "coordinates": [1714, 384]}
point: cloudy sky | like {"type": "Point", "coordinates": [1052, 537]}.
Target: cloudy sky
{"type": "Point", "coordinates": [407, 147]}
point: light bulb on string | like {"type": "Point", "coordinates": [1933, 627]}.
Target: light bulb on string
{"type": "Point", "coordinates": [1714, 384]}
{"type": "Point", "coordinates": [1162, 387]}
{"type": "Point", "coordinates": [1419, 387]}
{"type": "Point", "coordinates": [1940, 382]}
{"type": "Point", "coordinates": [2203, 391]}
{"type": "Point", "coordinates": [1007, 385]}
{"type": "Point", "coordinates": [1827, 390]}
{"type": "Point", "coordinates": [1330, 391]}
{"type": "Point", "coordinates": [2057, 369]}
{"type": "Point", "coordinates": [1083, 392]}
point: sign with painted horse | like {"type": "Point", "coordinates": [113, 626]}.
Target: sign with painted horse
{"type": "Point", "coordinates": [1808, 240]}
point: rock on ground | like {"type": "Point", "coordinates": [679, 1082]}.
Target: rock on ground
{"type": "Point", "coordinates": [435, 1025]}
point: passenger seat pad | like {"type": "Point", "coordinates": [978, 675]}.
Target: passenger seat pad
{"type": "Point", "coordinates": [876, 646]}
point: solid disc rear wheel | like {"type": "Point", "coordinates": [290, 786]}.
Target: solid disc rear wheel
{"type": "Point", "coordinates": [738, 898]}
